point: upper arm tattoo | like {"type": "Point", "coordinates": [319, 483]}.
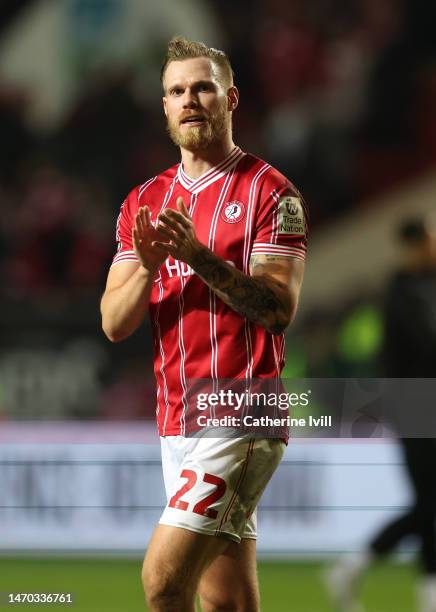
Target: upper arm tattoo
{"type": "Point", "coordinates": [267, 264]}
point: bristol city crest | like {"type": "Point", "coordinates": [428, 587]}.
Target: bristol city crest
{"type": "Point", "coordinates": [232, 212]}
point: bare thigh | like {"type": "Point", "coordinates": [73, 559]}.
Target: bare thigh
{"type": "Point", "coordinates": [175, 560]}
{"type": "Point", "coordinates": [229, 583]}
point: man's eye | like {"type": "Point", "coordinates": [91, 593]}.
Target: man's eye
{"type": "Point", "coordinates": [177, 92]}
{"type": "Point", "coordinates": [203, 88]}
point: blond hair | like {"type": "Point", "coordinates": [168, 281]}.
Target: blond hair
{"type": "Point", "coordinates": [180, 49]}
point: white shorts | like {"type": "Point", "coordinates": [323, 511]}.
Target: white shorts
{"type": "Point", "coordinates": [213, 485]}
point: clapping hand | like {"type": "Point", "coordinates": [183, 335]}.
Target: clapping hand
{"type": "Point", "coordinates": [178, 228]}
{"type": "Point", "coordinates": [144, 235]}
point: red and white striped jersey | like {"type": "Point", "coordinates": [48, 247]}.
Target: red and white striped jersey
{"type": "Point", "coordinates": [241, 207]}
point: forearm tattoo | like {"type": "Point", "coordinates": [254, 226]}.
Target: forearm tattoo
{"type": "Point", "coordinates": [261, 300]}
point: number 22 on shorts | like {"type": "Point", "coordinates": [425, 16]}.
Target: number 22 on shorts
{"type": "Point", "coordinates": [203, 506]}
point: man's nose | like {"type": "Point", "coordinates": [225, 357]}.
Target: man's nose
{"type": "Point", "coordinates": [189, 99]}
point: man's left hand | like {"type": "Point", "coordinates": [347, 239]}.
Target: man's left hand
{"type": "Point", "coordinates": [177, 226]}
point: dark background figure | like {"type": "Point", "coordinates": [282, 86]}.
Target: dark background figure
{"type": "Point", "coordinates": [409, 352]}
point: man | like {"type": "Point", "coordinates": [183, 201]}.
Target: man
{"type": "Point", "coordinates": [214, 249]}
{"type": "Point", "coordinates": [409, 352]}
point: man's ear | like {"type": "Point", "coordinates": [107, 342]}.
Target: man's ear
{"type": "Point", "coordinates": [232, 98]}
{"type": "Point", "coordinates": [164, 104]}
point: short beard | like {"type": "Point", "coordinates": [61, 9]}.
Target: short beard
{"type": "Point", "coordinates": [203, 136]}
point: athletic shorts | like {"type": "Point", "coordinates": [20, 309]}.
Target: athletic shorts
{"type": "Point", "coordinates": [213, 485]}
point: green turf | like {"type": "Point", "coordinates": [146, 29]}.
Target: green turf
{"type": "Point", "coordinates": [114, 585]}
{"type": "Point", "coordinates": [299, 587]}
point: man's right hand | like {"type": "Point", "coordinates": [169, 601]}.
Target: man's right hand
{"type": "Point", "coordinates": [143, 235]}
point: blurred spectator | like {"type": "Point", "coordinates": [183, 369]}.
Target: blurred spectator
{"type": "Point", "coordinates": [59, 234]}
{"type": "Point", "coordinates": [410, 352]}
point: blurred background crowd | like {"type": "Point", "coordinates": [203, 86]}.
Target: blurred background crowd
{"type": "Point", "coordinates": [339, 95]}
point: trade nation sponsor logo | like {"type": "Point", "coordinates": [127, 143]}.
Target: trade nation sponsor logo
{"type": "Point", "coordinates": [291, 216]}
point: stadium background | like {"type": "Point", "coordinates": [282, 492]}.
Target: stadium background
{"type": "Point", "coordinates": [340, 96]}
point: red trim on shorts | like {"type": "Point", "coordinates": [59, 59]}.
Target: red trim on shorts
{"type": "Point", "coordinates": [238, 485]}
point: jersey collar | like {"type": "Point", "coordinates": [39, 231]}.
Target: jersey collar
{"type": "Point", "coordinates": [212, 175]}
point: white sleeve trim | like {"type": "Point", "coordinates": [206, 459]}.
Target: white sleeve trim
{"type": "Point", "coordinates": [266, 248]}
{"type": "Point", "coordinates": [124, 256]}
